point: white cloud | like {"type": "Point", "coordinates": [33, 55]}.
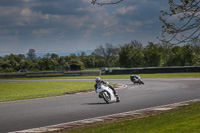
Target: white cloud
{"type": "Point", "coordinates": [42, 31]}
{"type": "Point", "coordinates": [136, 23]}
{"type": "Point", "coordinates": [129, 30]}
{"type": "Point", "coordinates": [26, 12]}
{"type": "Point", "coordinates": [87, 1]}
{"type": "Point", "coordinates": [74, 21]}
{"type": "Point", "coordinates": [108, 33]}
{"type": "Point", "coordinates": [26, 0]}
{"type": "Point", "coordinates": [124, 10]}
{"type": "Point", "coordinates": [150, 21]}
{"type": "Point", "coordinates": [8, 11]}
{"type": "Point", "coordinates": [87, 33]}
{"type": "Point", "coordinates": [93, 26]}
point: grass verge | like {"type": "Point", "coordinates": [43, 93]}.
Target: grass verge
{"type": "Point", "coordinates": [21, 91]}
{"type": "Point", "coordinates": [185, 119]}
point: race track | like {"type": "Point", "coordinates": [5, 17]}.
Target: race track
{"type": "Point", "coordinates": [26, 114]}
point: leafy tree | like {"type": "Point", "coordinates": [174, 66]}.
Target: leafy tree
{"type": "Point", "coordinates": [98, 61]}
{"type": "Point", "coordinates": [196, 60]}
{"type": "Point", "coordinates": [152, 55]}
{"type": "Point", "coordinates": [186, 28]}
{"type": "Point", "coordinates": [47, 55]}
{"type": "Point", "coordinates": [176, 58]}
{"type": "Point", "coordinates": [21, 56]}
{"type": "Point", "coordinates": [165, 50]}
{"type": "Point", "coordinates": [136, 44]}
{"type": "Point", "coordinates": [1, 69]}
{"type": "Point", "coordinates": [188, 55]}
{"type": "Point", "coordinates": [11, 63]}
{"type": "Point", "coordinates": [131, 55]}
{"type": "Point", "coordinates": [54, 56]}
{"type": "Point", "coordinates": [75, 60]}
{"type": "Point", "coordinates": [1, 62]}
{"type": "Point", "coordinates": [125, 56]}
{"type": "Point", "coordinates": [88, 61]}
{"type": "Point", "coordinates": [46, 64]}
{"type": "Point", "coordinates": [196, 47]}
{"type": "Point", "coordinates": [31, 54]}
{"type": "Point", "coordinates": [182, 56]}
{"type": "Point", "coordinates": [62, 63]}
{"type": "Point", "coordinates": [108, 53]}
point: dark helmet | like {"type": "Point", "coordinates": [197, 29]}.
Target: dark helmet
{"type": "Point", "coordinates": [98, 79]}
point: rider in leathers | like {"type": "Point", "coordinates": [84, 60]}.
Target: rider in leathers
{"type": "Point", "coordinates": [99, 82]}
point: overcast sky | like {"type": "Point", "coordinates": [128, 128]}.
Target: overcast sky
{"type": "Point", "coordinates": [63, 26]}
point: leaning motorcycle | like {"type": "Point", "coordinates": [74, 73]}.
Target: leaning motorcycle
{"type": "Point", "coordinates": [107, 94]}
{"type": "Point", "coordinates": [136, 79]}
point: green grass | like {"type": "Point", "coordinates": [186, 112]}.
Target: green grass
{"type": "Point", "coordinates": [161, 75]}
{"type": "Point", "coordinates": [21, 91]}
{"type": "Point", "coordinates": [182, 120]}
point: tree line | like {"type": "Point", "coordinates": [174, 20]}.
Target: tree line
{"type": "Point", "coordinates": [159, 55]}
{"type": "Point", "coordinates": [130, 55]}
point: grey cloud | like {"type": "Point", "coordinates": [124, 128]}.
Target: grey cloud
{"type": "Point", "coordinates": [71, 22]}
{"type": "Point", "coordinates": [10, 2]}
{"type": "Point", "coordinates": [144, 16]}
{"type": "Point", "coordinates": [60, 7]}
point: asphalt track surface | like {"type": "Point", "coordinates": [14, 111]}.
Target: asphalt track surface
{"type": "Point", "coordinates": [26, 114]}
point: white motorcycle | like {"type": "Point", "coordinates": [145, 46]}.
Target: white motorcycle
{"type": "Point", "coordinates": [107, 94]}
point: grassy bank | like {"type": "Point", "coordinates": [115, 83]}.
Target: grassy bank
{"type": "Point", "coordinates": [21, 91]}
{"type": "Point", "coordinates": [184, 120]}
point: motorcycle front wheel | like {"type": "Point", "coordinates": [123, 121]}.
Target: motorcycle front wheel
{"type": "Point", "coordinates": [142, 82]}
{"type": "Point", "coordinates": [106, 97]}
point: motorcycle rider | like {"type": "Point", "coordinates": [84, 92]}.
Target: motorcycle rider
{"type": "Point", "coordinates": [134, 77]}
{"type": "Point", "coordinates": [99, 82]}
{"type": "Point", "coordinates": [137, 76]}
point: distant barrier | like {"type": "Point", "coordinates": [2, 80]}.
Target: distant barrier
{"type": "Point", "coordinates": [152, 70]}
{"type": "Point", "coordinates": [82, 73]}
{"type": "Point", "coordinates": [12, 75]}
{"type": "Point", "coordinates": [50, 74]}
{"type": "Point", "coordinates": [147, 70]}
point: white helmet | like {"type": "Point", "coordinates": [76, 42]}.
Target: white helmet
{"type": "Point", "coordinates": [98, 79]}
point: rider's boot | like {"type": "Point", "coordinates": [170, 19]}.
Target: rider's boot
{"type": "Point", "coordinates": [115, 93]}
{"type": "Point", "coordinates": [117, 98]}
{"type": "Point", "coordinates": [100, 96]}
